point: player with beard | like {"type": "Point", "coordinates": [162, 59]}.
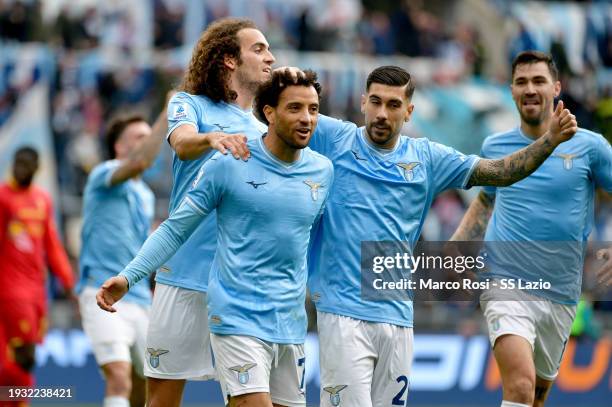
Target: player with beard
{"type": "Point", "coordinates": [384, 186]}
{"type": "Point", "coordinates": [213, 111]}
{"type": "Point", "coordinates": [528, 331]}
{"type": "Point", "coordinates": [265, 209]}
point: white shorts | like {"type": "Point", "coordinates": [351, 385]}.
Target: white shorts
{"type": "Point", "coordinates": [178, 340]}
{"type": "Point", "coordinates": [363, 364]}
{"type": "Point", "coordinates": [249, 365]}
{"type": "Point", "coordinates": [546, 325]}
{"type": "Point", "coordinates": [115, 337]}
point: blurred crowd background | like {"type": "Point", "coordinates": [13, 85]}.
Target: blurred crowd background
{"type": "Point", "coordinates": [66, 66]}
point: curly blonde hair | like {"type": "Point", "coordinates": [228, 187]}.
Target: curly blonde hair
{"type": "Point", "coordinates": [207, 74]}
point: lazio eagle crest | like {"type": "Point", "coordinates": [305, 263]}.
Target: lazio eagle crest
{"type": "Point", "coordinates": [408, 167]}
{"type": "Point", "coordinates": [154, 355]}
{"type": "Point", "coordinates": [314, 189]}
{"type": "Point", "coordinates": [334, 393]}
{"type": "Point", "coordinates": [568, 163]}
{"type": "Point", "coordinates": [243, 372]}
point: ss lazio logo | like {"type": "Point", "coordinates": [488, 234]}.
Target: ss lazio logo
{"type": "Point", "coordinates": [567, 160]}
{"type": "Point", "coordinates": [334, 393]}
{"type": "Point", "coordinates": [243, 372]}
{"type": "Point", "coordinates": [314, 189]}
{"type": "Point", "coordinates": [154, 356]}
{"type": "Point", "coordinates": [407, 169]}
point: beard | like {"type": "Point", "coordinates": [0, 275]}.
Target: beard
{"type": "Point", "coordinates": [247, 82]}
{"type": "Point", "coordinates": [536, 120]}
{"type": "Point", "coordinates": [380, 136]}
{"type": "Point", "coordinates": [532, 121]}
{"type": "Point", "coordinates": [284, 133]}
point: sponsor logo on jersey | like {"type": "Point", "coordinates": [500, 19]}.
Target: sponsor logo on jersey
{"type": "Point", "coordinates": [256, 184]}
{"type": "Point", "coordinates": [180, 112]}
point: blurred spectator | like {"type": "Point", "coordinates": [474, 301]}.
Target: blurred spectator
{"type": "Point", "coordinates": [522, 41]}
{"type": "Point", "coordinates": [168, 25]}
{"type": "Point", "coordinates": [376, 34]}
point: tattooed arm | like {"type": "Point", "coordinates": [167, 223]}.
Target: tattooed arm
{"type": "Point", "coordinates": [474, 222]}
{"type": "Point", "coordinates": [514, 167]}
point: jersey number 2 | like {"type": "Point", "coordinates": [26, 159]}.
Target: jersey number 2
{"type": "Point", "coordinates": [397, 400]}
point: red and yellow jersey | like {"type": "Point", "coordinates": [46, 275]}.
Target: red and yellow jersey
{"type": "Point", "coordinates": [28, 242]}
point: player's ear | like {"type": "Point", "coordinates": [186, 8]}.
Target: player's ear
{"type": "Point", "coordinates": [363, 103]}
{"type": "Point", "coordinates": [230, 62]}
{"type": "Point", "coordinates": [409, 111]}
{"type": "Point", "coordinates": [118, 148]}
{"type": "Point", "coordinates": [557, 89]}
{"type": "Point", "coordinates": [268, 111]}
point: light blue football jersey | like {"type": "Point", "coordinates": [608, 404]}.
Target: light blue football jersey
{"type": "Point", "coordinates": [265, 210]}
{"type": "Point", "coordinates": [552, 209]}
{"type": "Point", "coordinates": [376, 196]}
{"type": "Point", "coordinates": [116, 222]}
{"type": "Point", "coordinates": [190, 266]}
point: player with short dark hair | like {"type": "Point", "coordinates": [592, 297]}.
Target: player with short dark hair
{"type": "Point", "coordinates": [384, 186]}
{"type": "Point", "coordinates": [265, 208]}
{"type": "Point", "coordinates": [28, 243]}
{"type": "Point", "coordinates": [212, 111]}
{"type": "Point", "coordinates": [118, 209]}
{"type": "Point", "coordinates": [552, 209]}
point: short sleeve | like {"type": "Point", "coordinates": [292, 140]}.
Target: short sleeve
{"type": "Point", "coordinates": [450, 168]}
{"type": "Point", "coordinates": [329, 131]}
{"type": "Point", "coordinates": [101, 176]}
{"type": "Point", "coordinates": [601, 165]}
{"type": "Point", "coordinates": [182, 109]}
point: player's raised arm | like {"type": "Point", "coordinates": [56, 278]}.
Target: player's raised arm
{"type": "Point", "coordinates": [514, 167]}
{"type": "Point", "coordinates": [143, 157]}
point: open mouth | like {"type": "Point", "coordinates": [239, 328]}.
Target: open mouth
{"type": "Point", "coordinates": [531, 102]}
{"type": "Point", "coordinates": [267, 70]}
{"type": "Point", "coordinates": [304, 131]}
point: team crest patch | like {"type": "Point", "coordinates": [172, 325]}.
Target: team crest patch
{"type": "Point", "coordinates": [568, 162]}
{"type": "Point", "coordinates": [334, 393]}
{"type": "Point", "coordinates": [180, 112]}
{"type": "Point", "coordinates": [314, 189]}
{"type": "Point", "coordinates": [243, 372]}
{"type": "Point", "coordinates": [154, 355]}
{"type": "Point", "coordinates": [407, 169]}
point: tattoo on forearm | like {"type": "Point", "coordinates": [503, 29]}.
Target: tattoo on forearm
{"type": "Point", "coordinates": [510, 169]}
{"type": "Point", "coordinates": [480, 222]}
{"type": "Point", "coordinates": [476, 219]}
